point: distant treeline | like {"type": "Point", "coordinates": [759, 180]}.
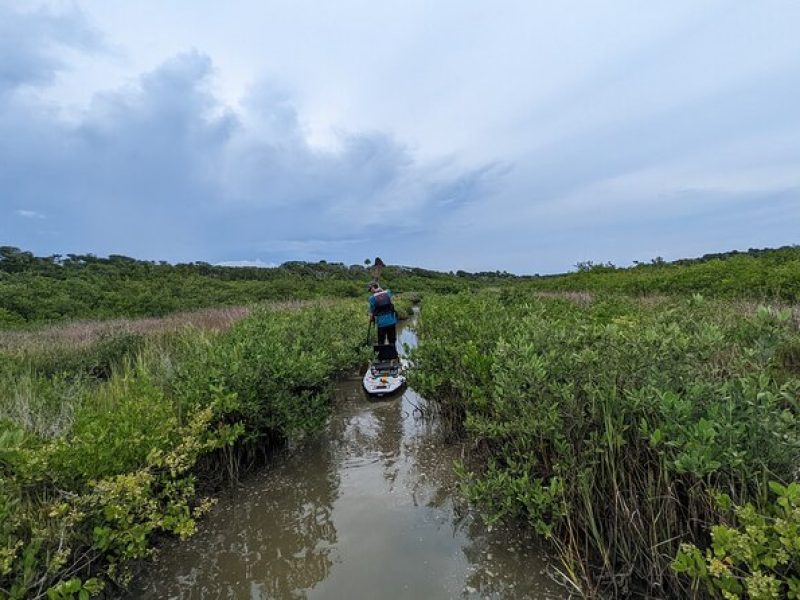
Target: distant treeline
{"type": "Point", "coordinates": [37, 289]}
{"type": "Point", "coordinates": [50, 288]}
{"type": "Point", "coordinates": [762, 274]}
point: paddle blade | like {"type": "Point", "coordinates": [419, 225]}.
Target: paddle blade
{"type": "Point", "coordinates": [377, 267]}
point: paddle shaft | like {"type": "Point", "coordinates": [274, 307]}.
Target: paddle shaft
{"type": "Point", "coordinates": [369, 331]}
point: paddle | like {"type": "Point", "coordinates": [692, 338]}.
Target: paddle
{"type": "Point", "coordinates": [369, 331]}
{"type": "Point", "coordinates": [377, 267]}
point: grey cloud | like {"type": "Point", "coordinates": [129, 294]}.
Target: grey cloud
{"type": "Point", "coordinates": [163, 169]}
{"type": "Point", "coordinates": [565, 201]}
{"type": "Point", "coordinates": [647, 136]}
{"type": "Point", "coordinates": [701, 127]}
{"type": "Point", "coordinates": [30, 42]}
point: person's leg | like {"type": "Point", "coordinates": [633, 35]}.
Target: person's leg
{"type": "Point", "coordinates": [382, 333]}
{"type": "Point", "coordinates": [391, 333]}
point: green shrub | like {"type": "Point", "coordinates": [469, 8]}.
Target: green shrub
{"type": "Point", "coordinates": [81, 499]}
{"type": "Point", "coordinates": [759, 558]}
{"type": "Point", "coordinates": [10, 319]}
{"type": "Point", "coordinates": [114, 430]}
{"type": "Point", "coordinates": [770, 274]}
{"type": "Point", "coordinates": [281, 365]}
{"type": "Point", "coordinates": [46, 289]}
{"type": "Point", "coordinates": [403, 305]}
{"type": "Point", "coordinates": [609, 425]}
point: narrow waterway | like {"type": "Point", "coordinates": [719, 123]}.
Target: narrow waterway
{"type": "Point", "coordinates": [369, 509]}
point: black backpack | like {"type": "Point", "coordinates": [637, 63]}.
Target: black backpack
{"type": "Point", "coordinates": [383, 303]}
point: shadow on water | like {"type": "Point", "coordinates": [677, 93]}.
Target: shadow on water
{"type": "Point", "coordinates": [368, 509]}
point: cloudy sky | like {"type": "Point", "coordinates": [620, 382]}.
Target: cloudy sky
{"type": "Point", "coordinates": [523, 136]}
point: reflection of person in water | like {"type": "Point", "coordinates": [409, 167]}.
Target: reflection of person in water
{"type": "Point", "coordinates": [389, 438]}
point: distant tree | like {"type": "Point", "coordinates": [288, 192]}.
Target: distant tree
{"type": "Point", "coordinates": [14, 260]}
{"type": "Point", "coordinates": [367, 262]}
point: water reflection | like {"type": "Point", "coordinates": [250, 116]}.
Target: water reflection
{"type": "Point", "coordinates": [270, 538]}
{"type": "Point", "coordinates": [366, 510]}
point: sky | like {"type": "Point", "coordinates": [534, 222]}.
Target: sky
{"type": "Point", "coordinates": [522, 136]}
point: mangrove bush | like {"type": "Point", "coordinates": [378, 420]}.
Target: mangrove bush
{"type": "Point", "coordinates": [101, 450]}
{"type": "Point", "coordinates": [613, 426]}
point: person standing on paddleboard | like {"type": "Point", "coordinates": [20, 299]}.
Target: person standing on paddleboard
{"type": "Point", "coordinates": [381, 310]}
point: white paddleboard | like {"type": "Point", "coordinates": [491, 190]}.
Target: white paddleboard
{"type": "Point", "coordinates": [383, 378]}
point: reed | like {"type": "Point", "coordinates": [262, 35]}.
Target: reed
{"type": "Point", "coordinates": [82, 333]}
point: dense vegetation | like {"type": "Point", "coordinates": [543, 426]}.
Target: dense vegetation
{"type": "Point", "coordinates": [761, 274]}
{"type": "Point", "coordinates": [623, 428]}
{"type": "Point", "coordinates": [103, 447]}
{"type": "Point", "coordinates": [52, 288]}
{"type": "Point", "coordinates": [41, 289]}
{"type": "Point", "coordinates": [651, 431]}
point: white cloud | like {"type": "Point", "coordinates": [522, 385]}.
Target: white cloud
{"type": "Point", "coordinates": [29, 214]}
{"type": "Point", "coordinates": [247, 263]}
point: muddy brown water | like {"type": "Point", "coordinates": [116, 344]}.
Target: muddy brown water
{"type": "Point", "coordinates": [368, 509]}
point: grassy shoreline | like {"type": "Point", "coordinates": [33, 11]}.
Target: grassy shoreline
{"type": "Point", "coordinates": [102, 460]}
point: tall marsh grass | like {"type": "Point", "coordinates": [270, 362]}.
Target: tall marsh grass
{"type": "Point", "coordinates": [80, 334]}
